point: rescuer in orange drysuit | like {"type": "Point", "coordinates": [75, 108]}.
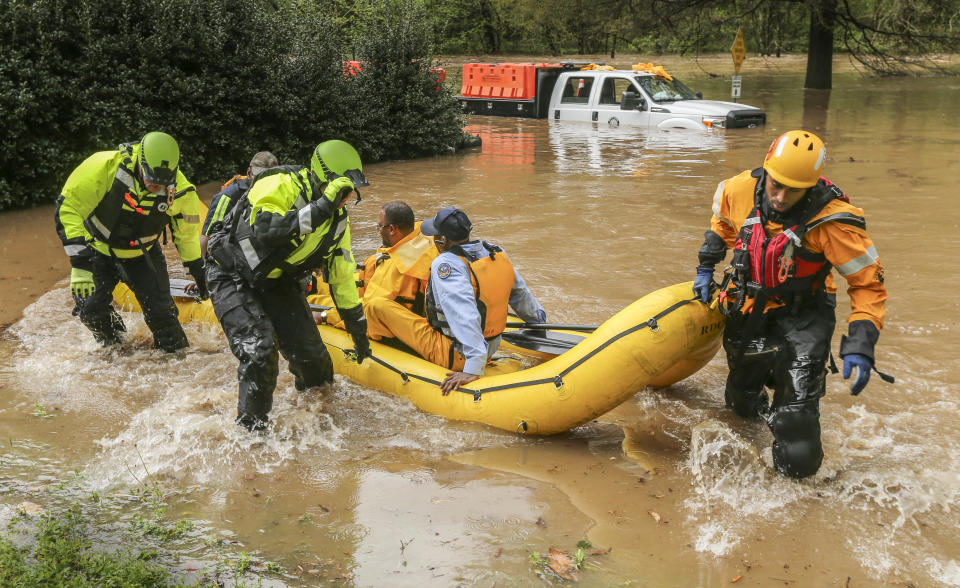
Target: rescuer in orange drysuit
{"type": "Point", "coordinates": [788, 227]}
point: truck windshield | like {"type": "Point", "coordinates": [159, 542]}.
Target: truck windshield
{"type": "Point", "coordinates": [662, 90]}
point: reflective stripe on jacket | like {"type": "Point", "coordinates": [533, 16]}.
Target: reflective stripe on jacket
{"type": "Point", "coordinates": [104, 205]}
{"type": "Point", "coordinates": [275, 234]}
{"type": "Point", "coordinates": [835, 235]}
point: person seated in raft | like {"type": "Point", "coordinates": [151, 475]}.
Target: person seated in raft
{"type": "Point", "coordinates": [470, 285]}
{"type": "Point", "coordinates": [397, 271]}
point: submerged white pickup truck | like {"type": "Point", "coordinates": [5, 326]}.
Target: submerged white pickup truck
{"type": "Point", "coordinates": [649, 98]}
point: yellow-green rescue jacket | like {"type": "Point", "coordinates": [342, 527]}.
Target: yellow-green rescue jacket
{"type": "Point", "coordinates": [273, 236]}
{"type": "Point", "coordinates": [104, 206]}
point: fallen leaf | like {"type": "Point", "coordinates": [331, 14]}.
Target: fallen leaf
{"type": "Point", "coordinates": [498, 553]}
{"type": "Point", "coordinates": [540, 522]}
{"type": "Point", "coordinates": [657, 495]}
{"type": "Point", "coordinates": [601, 551]}
{"type": "Point", "coordinates": [323, 508]}
{"type": "Point", "coordinates": [249, 476]}
{"type": "Point", "coordinates": [655, 515]}
{"type": "Point", "coordinates": [736, 578]}
{"type": "Point", "coordinates": [562, 565]}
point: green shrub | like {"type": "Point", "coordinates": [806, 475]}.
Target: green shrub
{"type": "Point", "coordinates": [227, 78]}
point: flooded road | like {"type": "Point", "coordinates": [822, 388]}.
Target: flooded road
{"type": "Point", "coordinates": [359, 488]}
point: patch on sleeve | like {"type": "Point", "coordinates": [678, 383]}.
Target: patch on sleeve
{"type": "Point", "coordinates": [443, 270]}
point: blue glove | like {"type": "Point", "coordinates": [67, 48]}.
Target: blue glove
{"type": "Point", "coordinates": [703, 284]}
{"type": "Point", "coordinates": [541, 316]}
{"type": "Point", "coordinates": [861, 361]}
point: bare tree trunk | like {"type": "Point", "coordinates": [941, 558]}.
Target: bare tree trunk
{"type": "Point", "coordinates": [816, 106]}
{"type": "Point", "coordinates": [490, 34]}
{"type": "Point", "coordinates": [823, 14]}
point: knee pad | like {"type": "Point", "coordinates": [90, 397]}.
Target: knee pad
{"type": "Point", "coordinates": [797, 451]}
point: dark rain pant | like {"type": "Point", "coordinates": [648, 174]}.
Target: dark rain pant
{"type": "Point", "coordinates": [256, 322]}
{"type": "Point", "coordinates": [147, 277]}
{"type": "Point", "coordinates": [788, 353]}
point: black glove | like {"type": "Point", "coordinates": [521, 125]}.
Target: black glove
{"type": "Point", "coordinates": [195, 268]}
{"type": "Point", "coordinates": [356, 325]}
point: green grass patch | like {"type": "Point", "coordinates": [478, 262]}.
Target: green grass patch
{"type": "Point", "coordinates": [62, 555]}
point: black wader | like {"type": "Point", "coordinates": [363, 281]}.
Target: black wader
{"type": "Point", "coordinates": [788, 352]}
{"type": "Point", "coordinates": [258, 320]}
{"type": "Point", "coordinates": [147, 277]}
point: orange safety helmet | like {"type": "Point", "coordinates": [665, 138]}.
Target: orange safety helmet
{"type": "Point", "coordinates": [796, 159]}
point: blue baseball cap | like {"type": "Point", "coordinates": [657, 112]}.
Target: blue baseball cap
{"type": "Point", "coordinates": [451, 222]}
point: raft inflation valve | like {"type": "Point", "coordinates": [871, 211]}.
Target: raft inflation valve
{"type": "Point", "coordinates": [404, 378]}
{"type": "Point", "coordinates": [654, 326]}
{"type": "Point", "coordinates": [522, 427]}
{"type": "Point", "coordinates": [558, 382]}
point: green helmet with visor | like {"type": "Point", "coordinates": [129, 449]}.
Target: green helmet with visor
{"type": "Point", "coordinates": [159, 158]}
{"type": "Point", "coordinates": [336, 158]}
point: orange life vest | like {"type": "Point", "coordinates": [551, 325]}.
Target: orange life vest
{"type": "Point", "coordinates": [492, 280]}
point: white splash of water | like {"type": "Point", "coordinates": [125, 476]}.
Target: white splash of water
{"type": "Point", "coordinates": [190, 434]}
{"type": "Point", "coordinates": [947, 573]}
{"type": "Point", "coordinates": [734, 485]}
{"type": "Point", "coordinates": [713, 537]}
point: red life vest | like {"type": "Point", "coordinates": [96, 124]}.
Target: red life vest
{"type": "Point", "coordinates": [772, 266]}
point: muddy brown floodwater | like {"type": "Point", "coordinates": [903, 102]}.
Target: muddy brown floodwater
{"type": "Point", "coordinates": [670, 489]}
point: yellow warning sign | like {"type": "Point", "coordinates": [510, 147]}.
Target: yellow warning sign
{"type": "Point", "coordinates": [739, 50]}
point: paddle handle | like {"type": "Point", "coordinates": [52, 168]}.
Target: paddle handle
{"type": "Point", "coordinates": [554, 327]}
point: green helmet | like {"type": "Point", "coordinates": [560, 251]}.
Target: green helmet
{"type": "Point", "coordinates": [159, 158]}
{"type": "Point", "coordinates": [332, 159]}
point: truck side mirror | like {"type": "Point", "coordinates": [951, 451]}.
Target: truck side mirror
{"type": "Point", "coordinates": [699, 95]}
{"type": "Point", "coordinates": [632, 101]}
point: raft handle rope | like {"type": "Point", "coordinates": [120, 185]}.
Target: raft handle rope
{"type": "Point", "coordinates": [557, 380]}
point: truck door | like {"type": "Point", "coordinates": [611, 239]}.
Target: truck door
{"type": "Point", "coordinates": [574, 103]}
{"type": "Point", "coordinates": [607, 106]}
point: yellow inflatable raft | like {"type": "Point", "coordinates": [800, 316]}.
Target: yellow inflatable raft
{"type": "Point", "coordinates": [656, 341]}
